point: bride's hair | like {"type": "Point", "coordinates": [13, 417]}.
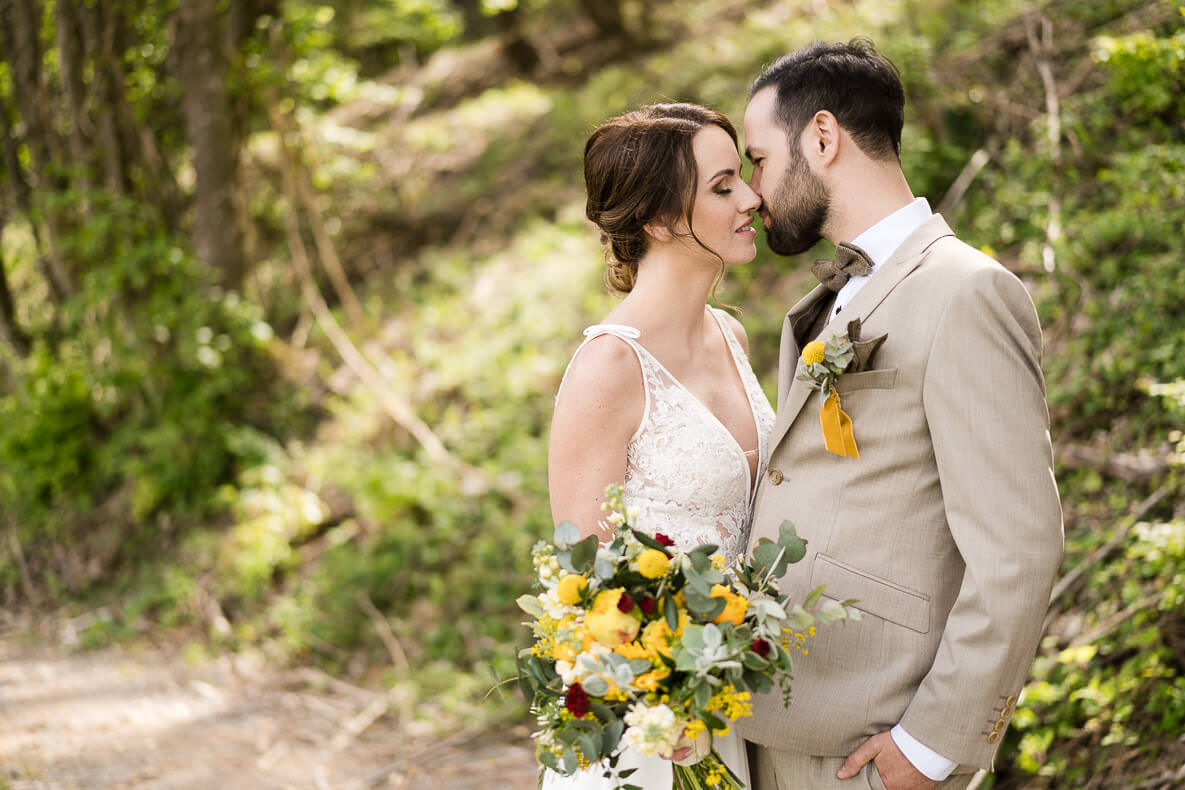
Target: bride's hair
{"type": "Point", "coordinates": [640, 168]}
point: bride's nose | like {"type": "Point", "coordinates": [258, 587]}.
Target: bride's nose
{"type": "Point", "coordinates": [750, 200]}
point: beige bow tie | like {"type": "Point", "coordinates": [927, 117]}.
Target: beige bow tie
{"type": "Point", "coordinates": [850, 261]}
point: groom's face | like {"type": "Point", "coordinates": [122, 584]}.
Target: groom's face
{"type": "Point", "coordinates": [795, 201]}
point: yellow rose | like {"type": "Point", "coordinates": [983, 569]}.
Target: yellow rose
{"type": "Point", "coordinates": [609, 625]}
{"type": "Point", "coordinates": [734, 607]}
{"type": "Point", "coordinates": [813, 353]}
{"type": "Point", "coordinates": [653, 564]}
{"type": "Point", "coordinates": [570, 589]}
{"type": "Point", "coordinates": [657, 635]}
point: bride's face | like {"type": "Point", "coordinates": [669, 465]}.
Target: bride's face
{"type": "Point", "coordinates": [724, 203]}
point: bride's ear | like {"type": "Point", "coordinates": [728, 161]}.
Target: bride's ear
{"type": "Point", "coordinates": [658, 231]}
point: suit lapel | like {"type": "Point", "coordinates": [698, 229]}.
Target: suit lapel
{"type": "Point", "coordinates": [795, 331]}
{"type": "Point", "coordinates": [792, 393]}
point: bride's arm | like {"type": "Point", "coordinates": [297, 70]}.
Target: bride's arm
{"type": "Point", "coordinates": [598, 410]}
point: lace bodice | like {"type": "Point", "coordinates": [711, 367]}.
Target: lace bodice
{"type": "Point", "coordinates": [685, 473]}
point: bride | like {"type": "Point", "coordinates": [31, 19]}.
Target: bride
{"type": "Point", "coordinates": [661, 393]}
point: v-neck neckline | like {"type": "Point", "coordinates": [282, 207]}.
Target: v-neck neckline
{"type": "Point", "coordinates": [749, 475]}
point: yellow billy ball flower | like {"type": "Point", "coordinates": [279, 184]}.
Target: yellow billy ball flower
{"type": "Point", "coordinates": [812, 353]}
{"type": "Point", "coordinates": [734, 605]}
{"type": "Point", "coordinates": [653, 563]}
{"type": "Point", "coordinates": [570, 589]}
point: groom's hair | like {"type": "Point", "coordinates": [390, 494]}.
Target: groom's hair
{"type": "Point", "coordinates": [854, 82]}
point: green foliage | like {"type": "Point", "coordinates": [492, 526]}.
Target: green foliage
{"type": "Point", "coordinates": [126, 408]}
{"type": "Point", "coordinates": [152, 402]}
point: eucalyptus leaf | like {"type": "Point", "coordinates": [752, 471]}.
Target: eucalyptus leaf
{"type": "Point", "coordinates": [584, 552]}
{"type": "Point", "coordinates": [639, 665]}
{"type": "Point", "coordinates": [530, 604]}
{"type": "Point", "coordinates": [590, 746]}
{"type": "Point", "coordinates": [566, 534]}
{"type": "Point", "coordinates": [703, 695]}
{"type": "Point", "coordinates": [753, 661]}
{"type": "Point", "coordinates": [670, 610]}
{"type": "Point", "coordinates": [612, 735]}
{"type": "Point", "coordinates": [794, 545]}
{"type": "Point", "coordinates": [813, 597]}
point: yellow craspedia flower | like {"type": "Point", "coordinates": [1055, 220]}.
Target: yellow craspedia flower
{"type": "Point", "coordinates": [813, 353]}
{"type": "Point", "coordinates": [734, 605]}
{"type": "Point", "coordinates": [571, 588]}
{"type": "Point", "coordinates": [653, 563]}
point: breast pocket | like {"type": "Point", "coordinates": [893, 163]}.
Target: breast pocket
{"type": "Point", "coordinates": [883, 379]}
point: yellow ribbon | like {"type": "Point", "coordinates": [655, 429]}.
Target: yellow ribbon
{"type": "Point", "coordinates": [837, 428]}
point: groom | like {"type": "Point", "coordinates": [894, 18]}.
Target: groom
{"type": "Point", "coordinates": [947, 527]}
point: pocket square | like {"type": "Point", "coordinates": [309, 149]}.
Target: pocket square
{"type": "Point", "coordinates": [862, 350]}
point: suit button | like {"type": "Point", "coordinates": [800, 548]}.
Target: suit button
{"type": "Point", "coordinates": [993, 736]}
{"type": "Point", "coordinates": [775, 476]}
{"type": "Point", "coordinates": [1008, 703]}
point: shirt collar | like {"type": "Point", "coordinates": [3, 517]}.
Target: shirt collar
{"type": "Point", "coordinates": [882, 239]}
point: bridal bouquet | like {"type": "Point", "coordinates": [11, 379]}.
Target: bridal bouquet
{"type": "Point", "coordinates": [635, 643]}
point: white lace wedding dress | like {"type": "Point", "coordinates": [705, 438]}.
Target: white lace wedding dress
{"type": "Point", "coordinates": [690, 480]}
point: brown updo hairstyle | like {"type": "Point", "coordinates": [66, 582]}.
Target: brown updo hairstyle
{"type": "Point", "coordinates": [640, 168]}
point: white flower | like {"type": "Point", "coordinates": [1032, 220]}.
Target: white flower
{"type": "Point", "coordinates": [550, 602]}
{"type": "Point", "coordinates": [653, 730]}
{"type": "Point", "coordinates": [570, 673]}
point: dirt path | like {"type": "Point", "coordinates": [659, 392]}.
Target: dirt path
{"type": "Point", "coordinates": [144, 718]}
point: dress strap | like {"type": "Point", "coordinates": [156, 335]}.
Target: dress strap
{"type": "Point", "coordinates": [621, 330]}
{"type": "Point", "coordinates": [629, 335]}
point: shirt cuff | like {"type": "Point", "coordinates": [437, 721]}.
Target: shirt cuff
{"type": "Point", "coordinates": [932, 764]}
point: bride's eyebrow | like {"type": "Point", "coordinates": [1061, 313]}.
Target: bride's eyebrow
{"type": "Point", "coordinates": [728, 171]}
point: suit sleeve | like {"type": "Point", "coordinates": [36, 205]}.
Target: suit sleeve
{"type": "Point", "coordinates": [984, 399]}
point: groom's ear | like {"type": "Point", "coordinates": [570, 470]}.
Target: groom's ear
{"type": "Point", "coordinates": [821, 138]}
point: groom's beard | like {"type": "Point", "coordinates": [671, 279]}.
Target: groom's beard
{"type": "Point", "coordinates": [797, 210]}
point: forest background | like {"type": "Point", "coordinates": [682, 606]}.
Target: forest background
{"type": "Point", "coordinates": [288, 286]}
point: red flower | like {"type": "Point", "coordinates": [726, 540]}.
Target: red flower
{"type": "Point", "coordinates": [576, 700]}
{"type": "Point", "coordinates": [760, 647]}
{"type": "Point", "coordinates": [663, 540]}
{"type": "Point", "coordinates": [625, 603]}
{"type": "Point", "coordinates": [647, 605]}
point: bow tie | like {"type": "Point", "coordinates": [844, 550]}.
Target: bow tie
{"type": "Point", "coordinates": [850, 261]}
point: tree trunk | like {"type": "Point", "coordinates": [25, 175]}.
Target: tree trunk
{"type": "Point", "coordinates": [202, 69]}
{"type": "Point", "coordinates": [59, 283]}
{"type": "Point", "coordinates": [70, 56]}
{"type": "Point", "coordinates": [10, 330]}
{"type": "Point", "coordinates": [607, 16]}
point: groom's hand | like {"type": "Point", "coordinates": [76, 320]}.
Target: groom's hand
{"type": "Point", "coordinates": [896, 771]}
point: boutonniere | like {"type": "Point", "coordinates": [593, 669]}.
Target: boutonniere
{"type": "Point", "coordinates": [823, 364]}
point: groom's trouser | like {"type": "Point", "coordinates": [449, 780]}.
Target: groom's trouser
{"type": "Point", "coordinates": [773, 770]}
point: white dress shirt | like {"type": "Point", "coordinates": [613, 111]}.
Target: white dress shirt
{"type": "Point", "coordinates": [880, 242]}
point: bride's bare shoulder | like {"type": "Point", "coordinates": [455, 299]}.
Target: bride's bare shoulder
{"type": "Point", "coordinates": [605, 369]}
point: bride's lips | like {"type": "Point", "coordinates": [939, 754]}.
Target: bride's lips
{"type": "Point", "coordinates": [747, 229]}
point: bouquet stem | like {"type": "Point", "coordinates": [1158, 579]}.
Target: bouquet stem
{"type": "Point", "coordinates": [710, 773]}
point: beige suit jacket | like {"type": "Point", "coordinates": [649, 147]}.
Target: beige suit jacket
{"type": "Point", "coordinates": [947, 528]}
